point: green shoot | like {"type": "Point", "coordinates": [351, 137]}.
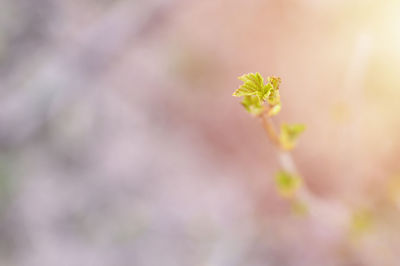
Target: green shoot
{"type": "Point", "coordinates": [287, 184]}
{"type": "Point", "coordinates": [263, 100]}
{"type": "Point", "coordinates": [256, 93]}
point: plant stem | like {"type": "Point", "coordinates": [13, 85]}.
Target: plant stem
{"type": "Point", "coordinates": [269, 128]}
{"type": "Point", "coordinates": [330, 212]}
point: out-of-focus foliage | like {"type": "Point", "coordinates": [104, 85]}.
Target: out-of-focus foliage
{"type": "Point", "coordinates": [393, 189]}
{"type": "Point", "coordinates": [299, 207]}
{"type": "Point", "coordinates": [287, 183]}
{"type": "Point", "coordinates": [361, 222]}
{"type": "Point", "coordinates": [289, 135]}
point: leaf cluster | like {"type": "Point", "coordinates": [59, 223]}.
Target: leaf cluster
{"type": "Point", "coordinates": [260, 98]}
{"type": "Point", "coordinates": [256, 94]}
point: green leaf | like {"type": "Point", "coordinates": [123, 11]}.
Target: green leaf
{"type": "Point", "coordinates": [275, 110]}
{"type": "Point", "coordinates": [253, 85]}
{"type": "Point", "coordinates": [289, 135]}
{"type": "Point", "coordinates": [253, 105]}
{"type": "Point", "coordinates": [287, 183]}
{"type": "Point", "coordinates": [274, 97]}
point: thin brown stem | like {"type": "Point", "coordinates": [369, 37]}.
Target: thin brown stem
{"type": "Point", "coordinates": [270, 129]}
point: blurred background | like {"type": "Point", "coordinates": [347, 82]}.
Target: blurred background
{"type": "Point", "coordinates": [121, 143]}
